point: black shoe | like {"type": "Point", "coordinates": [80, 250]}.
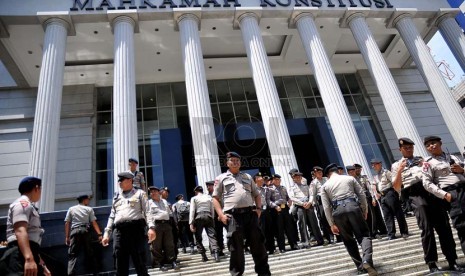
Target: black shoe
{"type": "Point", "coordinates": [216, 256]}
{"type": "Point", "coordinates": [204, 257]}
{"type": "Point", "coordinates": [370, 269]}
{"type": "Point", "coordinates": [192, 250]}
{"type": "Point", "coordinates": [456, 267]}
{"type": "Point", "coordinates": [184, 250]}
{"type": "Point", "coordinates": [392, 238]}
{"type": "Point", "coordinates": [163, 268]}
{"type": "Point", "coordinates": [220, 253]}
{"type": "Point", "coordinates": [282, 251]}
{"type": "Point", "coordinates": [295, 247]}
{"type": "Point", "coordinates": [404, 236]}
{"type": "Point", "coordinates": [175, 265]}
{"type": "Point", "coordinates": [361, 271]}
{"type": "Point", "coordinates": [433, 267]}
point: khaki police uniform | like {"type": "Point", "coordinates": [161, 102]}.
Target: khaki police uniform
{"type": "Point", "coordinates": [390, 203]}
{"type": "Point", "coordinates": [127, 220]}
{"type": "Point", "coordinates": [284, 222]}
{"type": "Point", "coordinates": [266, 221]}
{"type": "Point", "coordinates": [80, 217]}
{"type": "Point", "coordinates": [438, 179]}
{"type": "Point", "coordinates": [315, 198]}
{"type": "Point", "coordinates": [139, 180]}
{"type": "Point", "coordinates": [219, 226]}
{"type": "Point", "coordinates": [201, 216]}
{"type": "Point", "coordinates": [339, 197]}
{"type": "Point", "coordinates": [238, 193]}
{"type": "Point", "coordinates": [184, 234]}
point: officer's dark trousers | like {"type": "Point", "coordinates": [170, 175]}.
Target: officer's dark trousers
{"type": "Point", "coordinates": [327, 234]}
{"type": "Point", "coordinates": [307, 218]}
{"type": "Point", "coordinates": [375, 220]}
{"type": "Point", "coordinates": [390, 204]}
{"type": "Point", "coordinates": [205, 222]}
{"type": "Point", "coordinates": [80, 241]}
{"type": "Point", "coordinates": [162, 248]}
{"type": "Point", "coordinates": [295, 218]}
{"type": "Point", "coordinates": [349, 219]}
{"type": "Point", "coordinates": [185, 234]}
{"type": "Point", "coordinates": [174, 231]}
{"type": "Point", "coordinates": [245, 225]}
{"type": "Point", "coordinates": [219, 226]}
{"type": "Point", "coordinates": [129, 240]}
{"type": "Point", "coordinates": [266, 224]}
{"type": "Point", "coordinates": [431, 215]}
{"type": "Point", "coordinates": [457, 210]}
{"type": "Point", "coordinates": [12, 261]}
{"type": "Point", "coordinates": [284, 224]}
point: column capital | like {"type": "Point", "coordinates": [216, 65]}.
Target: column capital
{"type": "Point", "coordinates": [399, 14]}
{"type": "Point", "coordinates": [129, 16]}
{"type": "Point", "coordinates": [241, 13]}
{"type": "Point", "coordinates": [443, 14]}
{"type": "Point", "coordinates": [180, 14]}
{"type": "Point", "coordinates": [300, 12]}
{"type": "Point", "coordinates": [61, 18]}
{"type": "Point", "coordinates": [351, 14]}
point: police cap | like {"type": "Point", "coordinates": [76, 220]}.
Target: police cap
{"type": "Point", "coordinates": [431, 138]}
{"type": "Point", "coordinates": [178, 197]}
{"type": "Point", "coordinates": [266, 178]}
{"type": "Point", "coordinates": [208, 183]}
{"type": "Point", "coordinates": [340, 167]}
{"type": "Point", "coordinates": [292, 171]}
{"type": "Point", "coordinates": [375, 161]}
{"type": "Point", "coordinates": [275, 176]}
{"type": "Point", "coordinates": [297, 173]}
{"type": "Point", "coordinates": [155, 188]}
{"type": "Point", "coordinates": [165, 189]}
{"type": "Point", "coordinates": [132, 159]}
{"type": "Point", "coordinates": [405, 141]}
{"type": "Point", "coordinates": [357, 166]}
{"type": "Point", "coordinates": [330, 168]}
{"type": "Point", "coordinates": [198, 189]}
{"type": "Point", "coordinates": [232, 154]}
{"type": "Point", "coordinates": [257, 175]}
{"type": "Point", "coordinates": [125, 175]}
{"type": "Point", "coordinates": [28, 183]}
{"type": "Point", "coordinates": [350, 168]}
{"type": "Point", "coordinates": [317, 168]}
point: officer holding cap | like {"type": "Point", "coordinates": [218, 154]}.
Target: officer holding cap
{"type": "Point", "coordinates": [201, 217]}
{"type": "Point", "coordinates": [77, 224]}
{"type": "Point", "coordinates": [139, 180]}
{"type": "Point", "coordinates": [238, 192]}
{"type": "Point", "coordinates": [24, 232]}
{"type": "Point", "coordinates": [443, 176]}
{"type": "Point", "coordinates": [127, 220]}
{"type": "Point", "coordinates": [339, 196]}
{"type": "Point", "coordinates": [390, 202]}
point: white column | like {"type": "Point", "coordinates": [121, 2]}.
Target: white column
{"type": "Point", "coordinates": [125, 143]}
{"type": "Point", "coordinates": [453, 35]}
{"type": "Point", "coordinates": [44, 146]}
{"type": "Point", "coordinates": [277, 134]}
{"type": "Point", "coordinates": [200, 114]}
{"type": "Point", "coordinates": [339, 117]}
{"type": "Point", "coordinates": [390, 94]}
{"type": "Point", "coordinates": [449, 108]}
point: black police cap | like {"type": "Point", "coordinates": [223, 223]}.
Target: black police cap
{"type": "Point", "coordinates": [275, 176]}
{"type": "Point", "coordinates": [358, 166]}
{"type": "Point", "coordinates": [293, 171]}
{"type": "Point", "coordinates": [350, 168]}
{"type": "Point", "coordinates": [431, 138]}
{"type": "Point", "coordinates": [82, 197]}
{"type": "Point", "coordinates": [154, 188]}
{"type": "Point", "coordinates": [297, 173]}
{"type": "Point", "coordinates": [166, 189]}
{"type": "Point", "coordinates": [232, 154]}
{"type": "Point", "coordinates": [125, 175]}
{"type": "Point", "coordinates": [317, 168]}
{"type": "Point", "coordinates": [340, 167]}
{"type": "Point", "coordinates": [257, 175]}
{"type": "Point", "coordinates": [198, 189]}
{"type": "Point", "coordinates": [28, 183]}
{"type": "Point", "coordinates": [405, 141]}
{"type": "Point", "coordinates": [178, 197]}
{"type": "Point", "coordinates": [210, 183]}
{"type": "Point", "coordinates": [330, 168]}
{"type": "Point", "coordinates": [132, 159]}
{"type": "Point", "coordinates": [375, 161]}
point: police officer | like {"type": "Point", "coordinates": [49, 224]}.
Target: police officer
{"type": "Point", "coordinates": [266, 223]}
{"type": "Point", "coordinates": [24, 233]}
{"type": "Point", "coordinates": [238, 192]}
{"type": "Point", "coordinates": [162, 248]}
{"type": "Point", "coordinates": [218, 225]}
{"type": "Point", "coordinates": [300, 197]}
{"type": "Point", "coordinates": [282, 219]}
{"type": "Point", "coordinates": [165, 193]}
{"type": "Point", "coordinates": [139, 179]}
{"type": "Point", "coordinates": [181, 217]}
{"type": "Point", "coordinates": [127, 220]}
{"type": "Point", "coordinates": [315, 198]}
{"type": "Point", "coordinates": [339, 196]}
{"type": "Point", "coordinates": [443, 176]}
{"type": "Point", "coordinates": [201, 217]}
{"type": "Point", "coordinates": [78, 219]}
{"type": "Point", "coordinates": [407, 178]}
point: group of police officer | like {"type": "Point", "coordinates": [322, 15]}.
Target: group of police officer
{"type": "Point", "coordinates": [348, 206]}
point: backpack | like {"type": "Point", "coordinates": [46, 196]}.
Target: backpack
{"type": "Point", "coordinates": [183, 211]}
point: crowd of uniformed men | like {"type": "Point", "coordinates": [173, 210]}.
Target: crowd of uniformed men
{"type": "Point", "coordinates": [258, 214]}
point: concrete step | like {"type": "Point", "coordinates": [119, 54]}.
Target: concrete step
{"type": "Point", "coordinates": [391, 257]}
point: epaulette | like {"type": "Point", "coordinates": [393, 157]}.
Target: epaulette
{"type": "Point", "coordinates": [115, 196]}
{"type": "Point", "coordinates": [429, 158]}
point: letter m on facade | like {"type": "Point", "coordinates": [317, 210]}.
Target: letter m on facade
{"type": "Point", "coordinates": [87, 4]}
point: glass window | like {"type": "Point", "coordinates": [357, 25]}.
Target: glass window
{"type": "Point", "coordinates": [361, 132]}
{"type": "Point", "coordinates": [353, 84]}
{"type": "Point", "coordinates": [165, 117]}
{"type": "Point", "coordinates": [153, 149]}
{"type": "Point", "coordinates": [149, 96]}
{"type": "Point", "coordinates": [179, 93]}
{"type": "Point", "coordinates": [371, 130]}
{"type": "Point", "coordinates": [226, 113]}
{"type": "Point", "coordinates": [211, 91]}
{"type": "Point", "coordinates": [215, 114]}
{"type": "Point", "coordinates": [104, 187]}
{"type": "Point", "coordinates": [314, 86]}
{"type": "Point", "coordinates": [342, 84]}
{"type": "Point", "coordinates": [255, 114]}
{"type": "Point", "coordinates": [237, 91]}
{"type": "Point", "coordinates": [249, 89]}
{"type": "Point", "coordinates": [286, 109]}
{"type": "Point", "coordinates": [241, 111]}
{"type": "Point", "coordinates": [280, 87]}
{"type": "Point", "coordinates": [291, 87]}
{"type": "Point", "coordinates": [321, 106]}
{"type": "Point", "coordinates": [304, 86]}
{"type": "Point", "coordinates": [361, 105]}
{"type": "Point", "coordinates": [297, 108]}
{"type": "Point", "coordinates": [164, 95]}
{"type": "Point", "coordinates": [350, 105]}
{"type": "Point", "coordinates": [104, 156]}
{"type": "Point", "coordinates": [104, 97]}
{"type": "Point", "coordinates": [182, 116]}
{"type": "Point", "coordinates": [150, 120]}
{"type": "Point", "coordinates": [312, 108]}
{"type": "Point", "coordinates": [104, 126]}
{"type": "Point", "coordinates": [222, 91]}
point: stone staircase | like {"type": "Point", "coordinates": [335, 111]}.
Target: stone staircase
{"type": "Point", "coordinates": [394, 257]}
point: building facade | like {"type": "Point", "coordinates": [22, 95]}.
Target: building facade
{"type": "Point", "coordinates": [177, 84]}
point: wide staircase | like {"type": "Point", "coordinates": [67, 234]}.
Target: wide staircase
{"type": "Point", "coordinates": [391, 257]}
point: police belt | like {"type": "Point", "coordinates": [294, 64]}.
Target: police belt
{"type": "Point", "coordinates": [35, 247]}
{"type": "Point", "coordinates": [203, 213]}
{"type": "Point", "coordinates": [343, 201]}
{"type": "Point", "coordinates": [454, 186]}
{"type": "Point", "coordinates": [383, 193]}
{"type": "Point", "coordinates": [159, 221]}
{"type": "Point", "coordinates": [236, 211]}
{"type": "Point", "coordinates": [80, 226]}
{"type": "Point", "coordinates": [130, 223]}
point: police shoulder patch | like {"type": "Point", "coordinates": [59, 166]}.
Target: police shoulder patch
{"type": "Point", "coordinates": [426, 166]}
{"type": "Point", "coordinates": [24, 203]}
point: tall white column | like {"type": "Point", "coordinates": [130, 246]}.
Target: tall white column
{"type": "Point", "coordinates": [200, 114]}
{"type": "Point", "coordinates": [453, 35]}
{"type": "Point", "coordinates": [449, 108]}
{"type": "Point", "coordinates": [379, 71]}
{"type": "Point", "coordinates": [44, 148]}
{"type": "Point", "coordinates": [339, 117]}
{"type": "Point", "coordinates": [277, 134]}
{"type": "Point", "coordinates": [125, 143]}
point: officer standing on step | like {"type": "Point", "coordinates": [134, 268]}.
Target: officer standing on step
{"type": "Point", "coordinates": [339, 196]}
{"type": "Point", "coordinates": [238, 192]}
{"type": "Point", "coordinates": [407, 175]}
{"type": "Point", "coordinates": [127, 220]}
{"type": "Point", "coordinates": [219, 226]}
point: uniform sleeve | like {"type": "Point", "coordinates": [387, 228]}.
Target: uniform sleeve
{"type": "Point", "coordinates": [254, 188]}
{"type": "Point", "coordinates": [150, 220]}
{"type": "Point", "coordinates": [312, 192]}
{"type": "Point", "coordinates": [273, 198]}
{"type": "Point", "coordinates": [428, 184]}
{"type": "Point", "coordinates": [192, 211]}
{"type": "Point", "coordinates": [92, 216]}
{"type": "Point", "coordinates": [218, 188]}
{"type": "Point", "coordinates": [142, 178]}
{"type": "Point", "coordinates": [20, 213]}
{"type": "Point", "coordinates": [388, 177]}
{"type": "Point", "coordinates": [361, 196]}
{"type": "Point", "coordinates": [292, 196]}
{"type": "Point", "coordinates": [174, 210]}
{"type": "Point", "coordinates": [68, 215]}
{"type": "Point", "coordinates": [111, 219]}
{"type": "Point", "coordinates": [327, 207]}
{"type": "Point", "coordinates": [267, 197]}
{"type": "Point", "coordinates": [144, 201]}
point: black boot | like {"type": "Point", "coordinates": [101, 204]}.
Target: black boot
{"type": "Point", "coordinates": [453, 266]}
{"type": "Point", "coordinates": [204, 257]}
{"type": "Point", "coordinates": [216, 256]}
{"type": "Point", "coordinates": [175, 265]}
{"type": "Point", "coordinates": [433, 267]}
